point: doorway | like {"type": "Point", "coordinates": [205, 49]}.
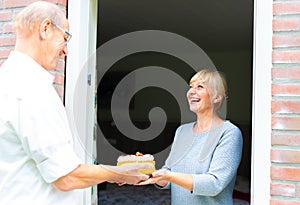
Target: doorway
{"type": "Point", "coordinates": [222, 30]}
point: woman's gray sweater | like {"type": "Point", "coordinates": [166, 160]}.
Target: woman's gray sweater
{"type": "Point", "coordinates": [212, 158]}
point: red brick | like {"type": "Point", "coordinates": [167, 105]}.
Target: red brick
{"type": "Point", "coordinates": [59, 78]}
{"type": "Point", "coordinates": [23, 3]}
{"type": "Point", "coordinates": [283, 202]}
{"type": "Point", "coordinates": [5, 16]}
{"type": "Point", "coordinates": [285, 156]}
{"type": "Point", "coordinates": [285, 139]}
{"type": "Point", "coordinates": [286, 24]}
{"type": "Point", "coordinates": [286, 73]}
{"type": "Point", "coordinates": [285, 173]}
{"type": "Point", "coordinates": [61, 66]}
{"type": "Point", "coordinates": [8, 28]}
{"type": "Point", "coordinates": [17, 3]}
{"type": "Point", "coordinates": [280, 8]}
{"type": "Point", "coordinates": [7, 40]}
{"type": "Point", "coordinates": [282, 189]}
{"type": "Point", "coordinates": [5, 52]}
{"type": "Point", "coordinates": [287, 40]}
{"type": "Point", "coordinates": [286, 106]}
{"type": "Point", "coordinates": [291, 56]}
{"type": "Point", "coordinates": [59, 2]}
{"type": "Point", "coordinates": [60, 90]}
{"type": "Point", "coordinates": [286, 123]}
{"type": "Point", "coordinates": [286, 89]}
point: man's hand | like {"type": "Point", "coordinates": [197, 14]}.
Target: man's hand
{"type": "Point", "coordinates": [127, 173]}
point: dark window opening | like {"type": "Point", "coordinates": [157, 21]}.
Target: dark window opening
{"type": "Point", "coordinates": [224, 30]}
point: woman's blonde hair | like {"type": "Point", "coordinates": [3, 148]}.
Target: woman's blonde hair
{"type": "Point", "coordinates": [215, 82]}
{"type": "Point", "coordinates": [32, 15]}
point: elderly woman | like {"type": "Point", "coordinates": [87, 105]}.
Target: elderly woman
{"type": "Point", "coordinates": [202, 165]}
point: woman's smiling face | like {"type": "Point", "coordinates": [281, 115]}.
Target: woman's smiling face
{"type": "Point", "coordinates": [198, 97]}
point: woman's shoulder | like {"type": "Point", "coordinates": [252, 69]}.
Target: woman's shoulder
{"type": "Point", "coordinates": [229, 125]}
{"type": "Point", "coordinates": [186, 128]}
{"type": "Point", "coordinates": [189, 126]}
{"type": "Point", "coordinates": [232, 129]}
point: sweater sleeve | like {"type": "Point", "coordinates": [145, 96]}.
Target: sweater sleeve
{"type": "Point", "coordinates": [169, 159]}
{"type": "Point", "coordinates": [223, 166]}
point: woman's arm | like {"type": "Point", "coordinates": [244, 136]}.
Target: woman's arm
{"type": "Point", "coordinates": [181, 179]}
{"type": "Point", "coordinates": [163, 176]}
{"type": "Point", "coordinates": [222, 169]}
{"type": "Point", "coordinates": [223, 165]}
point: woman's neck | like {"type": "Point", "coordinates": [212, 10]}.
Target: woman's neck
{"type": "Point", "coordinates": [206, 123]}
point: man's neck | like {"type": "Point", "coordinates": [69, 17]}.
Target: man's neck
{"type": "Point", "coordinates": [28, 46]}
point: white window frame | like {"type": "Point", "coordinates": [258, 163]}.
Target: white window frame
{"type": "Point", "coordinates": [83, 17]}
{"type": "Point", "coordinates": [261, 111]}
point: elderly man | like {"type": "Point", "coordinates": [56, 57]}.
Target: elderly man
{"type": "Point", "coordinates": [37, 162]}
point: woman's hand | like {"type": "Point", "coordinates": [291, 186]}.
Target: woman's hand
{"type": "Point", "coordinates": [163, 176]}
{"type": "Point", "coordinates": [159, 177]}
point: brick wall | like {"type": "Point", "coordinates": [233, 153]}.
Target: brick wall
{"type": "Point", "coordinates": [285, 153]}
{"type": "Point", "coordinates": [8, 10]}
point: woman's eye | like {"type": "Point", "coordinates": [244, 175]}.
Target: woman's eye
{"type": "Point", "coordinates": [200, 86]}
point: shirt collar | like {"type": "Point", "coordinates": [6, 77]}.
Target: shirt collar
{"type": "Point", "coordinates": [38, 70]}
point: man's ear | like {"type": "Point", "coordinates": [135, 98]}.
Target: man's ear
{"type": "Point", "coordinates": [45, 28]}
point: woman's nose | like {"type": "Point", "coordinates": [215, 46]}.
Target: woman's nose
{"type": "Point", "coordinates": [190, 91]}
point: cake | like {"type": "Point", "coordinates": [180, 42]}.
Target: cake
{"type": "Point", "coordinates": [138, 158]}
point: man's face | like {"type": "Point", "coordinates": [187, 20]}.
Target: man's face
{"type": "Point", "coordinates": [55, 47]}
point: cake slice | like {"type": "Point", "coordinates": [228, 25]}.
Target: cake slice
{"type": "Point", "coordinates": [137, 158]}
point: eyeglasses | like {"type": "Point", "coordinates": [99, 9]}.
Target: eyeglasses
{"type": "Point", "coordinates": [67, 36]}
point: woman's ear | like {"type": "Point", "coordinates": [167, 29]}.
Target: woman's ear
{"type": "Point", "coordinates": [45, 28]}
{"type": "Point", "coordinates": [218, 99]}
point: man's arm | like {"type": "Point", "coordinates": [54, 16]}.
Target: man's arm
{"type": "Point", "coordinates": [88, 175]}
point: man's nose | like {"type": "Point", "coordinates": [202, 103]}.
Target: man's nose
{"type": "Point", "coordinates": [64, 51]}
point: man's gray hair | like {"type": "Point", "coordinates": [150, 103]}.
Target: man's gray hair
{"type": "Point", "coordinates": [32, 15]}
